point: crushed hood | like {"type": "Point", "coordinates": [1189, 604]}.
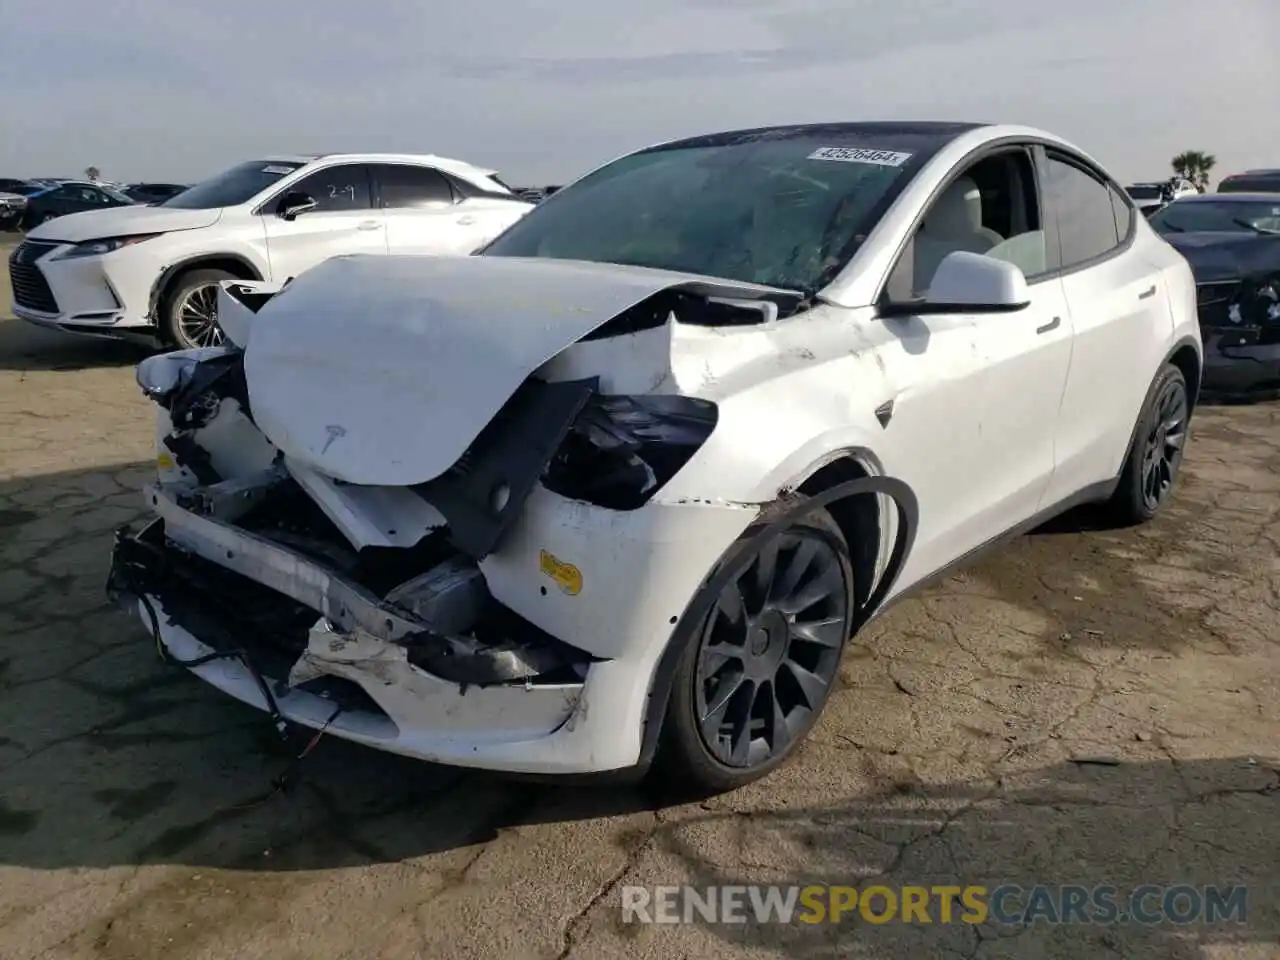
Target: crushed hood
{"type": "Point", "coordinates": [122, 221]}
{"type": "Point", "coordinates": [382, 370]}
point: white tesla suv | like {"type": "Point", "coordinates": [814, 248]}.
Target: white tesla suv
{"type": "Point", "coordinates": [152, 272]}
{"type": "Point", "coordinates": [624, 484]}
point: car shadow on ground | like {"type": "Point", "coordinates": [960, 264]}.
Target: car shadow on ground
{"type": "Point", "coordinates": [25, 347]}
{"type": "Point", "coordinates": [109, 757]}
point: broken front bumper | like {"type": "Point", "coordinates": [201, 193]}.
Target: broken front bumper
{"type": "Point", "coordinates": [244, 638]}
{"type": "Point", "coordinates": [321, 641]}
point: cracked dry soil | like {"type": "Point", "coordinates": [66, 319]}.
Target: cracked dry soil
{"type": "Point", "coordinates": [133, 824]}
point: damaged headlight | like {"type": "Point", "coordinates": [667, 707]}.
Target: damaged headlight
{"type": "Point", "coordinates": [190, 384]}
{"type": "Point", "coordinates": [166, 373]}
{"type": "Point", "coordinates": [622, 450]}
{"type": "Point", "coordinates": [1256, 305]}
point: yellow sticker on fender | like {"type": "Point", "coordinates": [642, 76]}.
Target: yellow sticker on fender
{"type": "Point", "coordinates": [165, 462]}
{"type": "Point", "coordinates": [567, 577]}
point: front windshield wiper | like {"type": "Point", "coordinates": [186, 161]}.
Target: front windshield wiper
{"type": "Point", "coordinates": [1173, 226]}
{"type": "Point", "coordinates": [1254, 227]}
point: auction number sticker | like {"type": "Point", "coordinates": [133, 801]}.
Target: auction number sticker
{"type": "Point", "coordinates": [881, 158]}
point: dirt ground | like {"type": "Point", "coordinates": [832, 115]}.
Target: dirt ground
{"type": "Point", "coordinates": [133, 822]}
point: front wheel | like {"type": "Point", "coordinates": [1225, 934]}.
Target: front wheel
{"type": "Point", "coordinates": [757, 671]}
{"type": "Point", "coordinates": [189, 310]}
{"type": "Point", "coordinates": [1151, 470]}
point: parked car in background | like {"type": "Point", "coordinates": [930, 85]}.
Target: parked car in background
{"type": "Point", "coordinates": [1251, 181]}
{"type": "Point", "coordinates": [12, 206]}
{"type": "Point", "coordinates": [68, 197]}
{"type": "Point", "coordinates": [1150, 196]}
{"type": "Point", "coordinates": [153, 192]}
{"type": "Point", "coordinates": [14, 185]}
{"type": "Point", "coordinates": [13, 200]}
{"type": "Point", "coordinates": [628, 479]}
{"type": "Point", "coordinates": [154, 271]}
{"type": "Point", "coordinates": [1232, 242]}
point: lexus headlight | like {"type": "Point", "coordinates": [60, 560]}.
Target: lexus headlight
{"type": "Point", "coordinates": [621, 450]}
{"type": "Point", "coordinates": [96, 248]}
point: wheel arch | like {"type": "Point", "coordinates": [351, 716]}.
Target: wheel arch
{"type": "Point", "coordinates": [1186, 356]}
{"type": "Point", "coordinates": [846, 484]}
{"type": "Point", "coordinates": [233, 263]}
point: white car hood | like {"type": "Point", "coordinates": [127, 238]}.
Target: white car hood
{"type": "Point", "coordinates": [382, 370]}
{"type": "Point", "coordinates": [122, 221]}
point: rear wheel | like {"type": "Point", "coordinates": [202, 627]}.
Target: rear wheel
{"type": "Point", "coordinates": [189, 309]}
{"type": "Point", "coordinates": [757, 671]}
{"type": "Point", "coordinates": [1151, 470]}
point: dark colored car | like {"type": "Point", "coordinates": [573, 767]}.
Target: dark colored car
{"type": "Point", "coordinates": [70, 196]}
{"type": "Point", "coordinates": [153, 192]}
{"type": "Point", "coordinates": [1251, 181]}
{"type": "Point", "coordinates": [1232, 242]}
{"type": "Point", "coordinates": [13, 185]}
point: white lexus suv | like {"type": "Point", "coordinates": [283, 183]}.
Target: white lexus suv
{"type": "Point", "coordinates": [153, 272]}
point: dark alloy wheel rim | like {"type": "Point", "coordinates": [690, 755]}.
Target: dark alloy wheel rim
{"type": "Point", "coordinates": [198, 316]}
{"type": "Point", "coordinates": [1164, 445]}
{"type": "Point", "coordinates": [770, 649]}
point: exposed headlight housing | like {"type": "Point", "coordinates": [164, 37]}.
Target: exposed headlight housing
{"type": "Point", "coordinates": [622, 449]}
{"type": "Point", "coordinates": [166, 373]}
{"type": "Point", "coordinates": [96, 248]}
{"type": "Point", "coordinates": [191, 384]}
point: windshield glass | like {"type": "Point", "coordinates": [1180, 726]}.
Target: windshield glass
{"type": "Point", "coordinates": [784, 212]}
{"type": "Point", "coordinates": [232, 187]}
{"type": "Point", "coordinates": [1239, 217]}
{"type": "Point", "coordinates": [1145, 191]}
{"type": "Point", "coordinates": [115, 194]}
{"type": "Point", "coordinates": [30, 189]}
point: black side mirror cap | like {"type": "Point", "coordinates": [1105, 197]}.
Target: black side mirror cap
{"type": "Point", "coordinates": [294, 203]}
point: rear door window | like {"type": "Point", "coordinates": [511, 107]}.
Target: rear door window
{"type": "Point", "coordinates": [1082, 204]}
{"type": "Point", "coordinates": [402, 186]}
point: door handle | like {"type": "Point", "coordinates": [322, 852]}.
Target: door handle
{"type": "Point", "coordinates": [1149, 292]}
{"type": "Point", "coordinates": [466, 221]}
{"type": "Point", "coordinates": [1051, 325]}
{"type": "Point", "coordinates": [369, 225]}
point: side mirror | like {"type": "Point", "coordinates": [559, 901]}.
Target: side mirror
{"type": "Point", "coordinates": [294, 203]}
{"type": "Point", "coordinates": [969, 283]}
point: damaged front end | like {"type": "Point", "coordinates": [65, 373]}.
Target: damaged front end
{"type": "Point", "coordinates": [363, 608]}
{"type": "Point", "coordinates": [314, 598]}
{"type": "Point", "coordinates": [1238, 304]}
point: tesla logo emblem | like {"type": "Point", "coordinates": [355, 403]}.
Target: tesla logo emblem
{"type": "Point", "coordinates": [334, 431]}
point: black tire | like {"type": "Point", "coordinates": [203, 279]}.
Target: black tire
{"type": "Point", "coordinates": [686, 761]}
{"type": "Point", "coordinates": [175, 332]}
{"type": "Point", "coordinates": [1150, 471]}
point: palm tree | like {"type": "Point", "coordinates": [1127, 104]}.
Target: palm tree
{"type": "Point", "coordinates": [1195, 166]}
{"type": "Point", "coordinates": [92, 173]}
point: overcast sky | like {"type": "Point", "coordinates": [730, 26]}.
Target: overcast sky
{"type": "Point", "coordinates": [542, 91]}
